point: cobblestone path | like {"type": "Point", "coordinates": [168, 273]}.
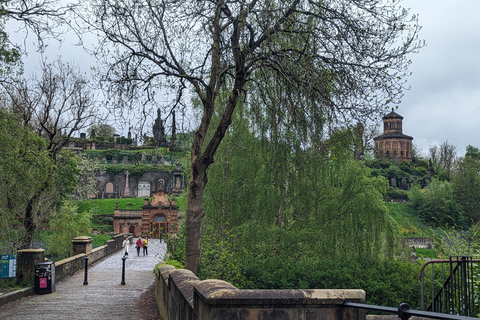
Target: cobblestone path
{"type": "Point", "coordinates": [103, 298]}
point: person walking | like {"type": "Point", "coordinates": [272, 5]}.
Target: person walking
{"type": "Point", "coordinates": [126, 246]}
{"type": "Point", "coordinates": [138, 245]}
{"type": "Point", "coordinates": [145, 246]}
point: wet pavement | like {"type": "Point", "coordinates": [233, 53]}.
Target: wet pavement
{"type": "Point", "coordinates": [103, 298]}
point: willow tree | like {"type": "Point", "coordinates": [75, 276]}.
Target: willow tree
{"type": "Point", "coordinates": [342, 59]}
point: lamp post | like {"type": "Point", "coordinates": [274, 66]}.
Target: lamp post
{"type": "Point", "coordinates": [85, 282]}
{"type": "Point", "coordinates": [123, 271]}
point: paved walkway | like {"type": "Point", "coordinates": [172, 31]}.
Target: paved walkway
{"type": "Point", "coordinates": [103, 298]}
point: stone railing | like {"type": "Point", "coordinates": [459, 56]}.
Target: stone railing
{"type": "Point", "coordinates": [82, 246]}
{"type": "Point", "coordinates": [181, 295]}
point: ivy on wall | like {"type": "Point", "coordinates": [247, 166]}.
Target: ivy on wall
{"type": "Point", "coordinates": [135, 170]}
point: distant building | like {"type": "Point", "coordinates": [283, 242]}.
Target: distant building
{"type": "Point", "coordinates": [156, 219]}
{"type": "Point", "coordinates": [393, 144]}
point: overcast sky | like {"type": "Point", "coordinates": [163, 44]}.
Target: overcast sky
{"type": "Point", "coordinates": [444, 100]}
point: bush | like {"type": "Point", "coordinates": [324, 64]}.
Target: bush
{"type": "Point", "coordinates": [176, 245]}
{"type": "Point", "coordinates": [397, 194]}
{"type": "Point", "coordinates": [386, 283]}
{"type": "Point", "coordinates": [99, 240]}
{"type": "Point", "coordinates": [436, 205]}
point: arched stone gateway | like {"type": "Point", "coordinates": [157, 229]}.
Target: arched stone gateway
{"type": "Point", "coordinates": [158, 217]}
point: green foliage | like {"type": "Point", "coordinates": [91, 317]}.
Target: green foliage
{"type": "Point", "coordinates": [9, 56]}
{"type": "Point", "coordinates": [414, 171]}
{"type": "Point", "coordinates": [472, 152]}
{"type": "Point", "coordinates": [66, 224]}
{"type": "Point", "coordinates": [388, 282]}
{"type": "Point", "coordinates": [106, 206]}
{"type": "Point", "coordinates": [123, 140]}
{"type": "Point", "coordinates": [219, 259]}
{"type": "Point", "coordinates": [103, 130]}
{"type": "Point", "coordinates": [26, 181]}
{"type": "Point", "coordinates": [135, 170]}
{"type": "Point", "coordinates": [174, 263]}
{"type": "Point", "coordinates": [406, 218]}
{"type": "Point", "coordinates": [182, 201]}
{"type": "Point", "coordinates": [277, 214]}
{"type": "Point", "coordinates": [466, 185]}
{"type": "Point", "coordinates": [102, 223]}
{"type": "Point", "coordinates": [395, 193]}
{"type": "Point", "coordinates": [66, 173]}
{"type": "Point", "coordinates": [99, 239]}
{"type": "Point", "coordinates": [436, 205]}
{"type": "Point", "coordinates": [176, 245]}
{"type": "Point", "coordinates": [458, 242]}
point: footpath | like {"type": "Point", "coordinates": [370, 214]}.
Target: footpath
{"type": "Point", "coordinates": [103, 298]}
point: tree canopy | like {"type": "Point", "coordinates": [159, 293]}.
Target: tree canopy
{"type": "Point", "coordinates": [334, 61]}
{"type": "Point", "coordinates": [26, 175]}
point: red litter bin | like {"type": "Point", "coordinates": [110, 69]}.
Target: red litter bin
{"type": "Point", "coordinates": [44, 277]}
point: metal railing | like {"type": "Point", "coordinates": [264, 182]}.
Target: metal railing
{"type": "Point", "coordinates": [456, 294]}
{"type": "Point", "coordinates": [404, 312]}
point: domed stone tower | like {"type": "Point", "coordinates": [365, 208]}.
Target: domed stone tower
{"type": "Point", "coordinates": [393, 144]}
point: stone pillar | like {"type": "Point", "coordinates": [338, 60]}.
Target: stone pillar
{"type": "Point", "coordinates": [26, 261]}
{"type": "Point", "coordinates": [82, 244]}
{"type": "Point", "coordinates": [127, 189]}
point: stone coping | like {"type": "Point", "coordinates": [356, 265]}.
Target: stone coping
{"type": "Point", "coordinates": [31, 250]}
{"type": "Point", "coordinates": [83, 239]}
{"type": "Point", "coordinates": [17, 294]}
{"type": "Point", "coordinates": [221, 293]}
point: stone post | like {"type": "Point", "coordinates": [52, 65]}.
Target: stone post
{"type": "Point", "coordinates": [26, 261]}
{"type": "Point", "coordinates": [82, 244]}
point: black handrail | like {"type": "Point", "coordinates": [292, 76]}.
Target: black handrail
{"type": "Point", "coordinates": [404, 312]}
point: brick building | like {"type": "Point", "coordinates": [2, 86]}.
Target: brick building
{"type": "Point", "coordinates": [393, 144]}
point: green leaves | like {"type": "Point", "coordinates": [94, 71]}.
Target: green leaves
{"type": "Point", "coordinates": [66, 224]}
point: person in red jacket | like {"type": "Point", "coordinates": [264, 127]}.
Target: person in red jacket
{"type": "Point", "coordinates": [139, 244]}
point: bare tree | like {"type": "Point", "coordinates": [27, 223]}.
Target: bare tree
{"type": "Point", "coordinates": [444, 158]}
{"type": "Point", "coordinates": [44, 18]}
{"type": "Point", "coordinates": [340, 60]}
{"type": "Point", "coordinates": [57, 105]}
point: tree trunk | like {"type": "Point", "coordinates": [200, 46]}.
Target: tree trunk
{"type": "Point", "coordinates": [29, 226]}
{"type": "Point", "coordinates": [194, 217]}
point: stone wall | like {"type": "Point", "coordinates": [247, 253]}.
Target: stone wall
{"type": "Point", "coordinates": [419, 242]}
{"type": "Point", "coordinates": [151, 177]}
{"type": "Point", "coordinates": [181, 295]}
{"type": "Point", "coordinates": [69, 266]}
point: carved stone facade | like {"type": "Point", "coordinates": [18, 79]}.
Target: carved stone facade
{"type": "Point", "coordinates": [157, 218]}
{"type": "Point", "coordinates": [123, 185]}
{"type": "Point", "coordinates": [393, 144]}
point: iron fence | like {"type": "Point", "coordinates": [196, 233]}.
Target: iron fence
{"type": "Point", "coordinates": [456, 294]}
